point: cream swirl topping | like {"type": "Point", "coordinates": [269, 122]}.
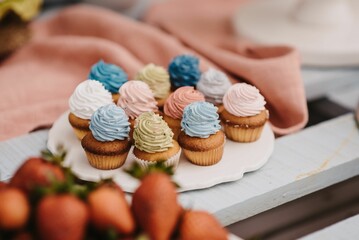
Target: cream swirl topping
{"type": "Point", "coordinates": [179, 99]}
{"type": "Point", "coordinates": [88, 97]}
{"type": "Point", "coordinates": [213, 84]}
{"type": "Point", "coordinates": [243, 100]}
{"type": "Point", "coordinates": [152, 133]}
{"type": "Point", "coordinates": [135, 98]}
{"type": "Point", "coordinates": [157, 79]}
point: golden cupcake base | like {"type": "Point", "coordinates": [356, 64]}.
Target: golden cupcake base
{"type": "Point", "coordinates": [205, 158]}
{"type": "Point", "coordinates": [104, 162]}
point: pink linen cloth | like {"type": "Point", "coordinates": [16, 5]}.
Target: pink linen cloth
{"type": "Point", "coordinates": [37, 80]}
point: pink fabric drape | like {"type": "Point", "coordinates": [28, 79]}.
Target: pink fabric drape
{"type": "Point", "coordinates": [37, 80]}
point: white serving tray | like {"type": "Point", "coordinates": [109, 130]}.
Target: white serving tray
{"type": "Point", "coordinates": [237, 159]}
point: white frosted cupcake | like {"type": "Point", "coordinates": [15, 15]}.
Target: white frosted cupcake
{"type": "Point", "coordinates": [214, 84]}
{"type": "Point", "coordinates": [85, 100]}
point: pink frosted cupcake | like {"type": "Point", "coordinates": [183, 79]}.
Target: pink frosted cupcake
{"type": "Point", "coordinates": [176, 102]}
{"type": "Point", "coordinates": [244, 113]}
{"type": "Point", "coordinates": [136, 98]}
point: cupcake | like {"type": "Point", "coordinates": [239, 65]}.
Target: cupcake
{"type": "Point", "coordinates": [107, 145]}
{"type": "Point", "coordinates": [111, 76]}
{"type": "Point", "coordinates": [86, 99]}
{"type": "Point", "coordinates": [184, 71]}
{"type": "Point", "coordinates": [153, 141]}
{"type": "Point", "coordinates": [136, 98]}
{"type": "Point", "coordinates": [214, 84]}
{"type": "Point", "coordinates": [244, 113]}
{"type": "Point", "coordinates": [201, 139]}
{"type": "Point", "coordinates": [158, 80]}
{"type": "Point", "coordinates": [14, 19]}
{"type": "Point", "coordinates": [176, 102]}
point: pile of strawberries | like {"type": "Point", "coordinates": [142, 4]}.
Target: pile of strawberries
{"type": "Point", "coordinates": [43, 200]}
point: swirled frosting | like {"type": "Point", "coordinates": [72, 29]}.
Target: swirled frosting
{"type": "Point", "coordinates": [243, 100]}
{"type": "Point", "coordinates": [184, 71]}
{"type": "Point", "coordinates": [87, 98]}
{"type": "Point", "coordinates": [200, 119]}
{"type": "Point", "coordinates": [213, 84]}
{"type": "Point", "coordinates": [109, 123]}
{"type": "Point", "coordinates": [157, 79]}
{"type": "Point", "coordinates": [110, 75]}
{"type": "Point", "coordinates": [136, 98]}
{"type": "Point", "coordinates": [179, 99]}
{"type": "Point", "coordinates": [152, 133]}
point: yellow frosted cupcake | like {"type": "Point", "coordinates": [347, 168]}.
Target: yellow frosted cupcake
{"type": "Point", "coordinates": [86, 99]}
{"type": "Point", "coordinates": [107, 145]}
{"type": "Point", "coordinates": [244, 113]}
{"type": "Point", "coordinates": [176, 102]}
{"type": "Point", "coordinates": [153, 141]}
{"type": "Point", "coordinates": [201, 139]}
{"type": "Point", "coordinates": [158, 80]}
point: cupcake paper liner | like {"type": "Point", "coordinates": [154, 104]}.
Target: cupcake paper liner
{"type": "Point", "coordinates": [104, 162]}
{"type": "Point", "coordinates": [172, 161]}
{"type": "Point", "coordinates": [244, 135]}
{"type": "Point", "coordinates": [204, 158]}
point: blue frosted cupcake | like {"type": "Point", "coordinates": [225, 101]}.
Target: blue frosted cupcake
{"type": "Point", "coordinates": [184, 71]}
{"type": "Point", "coordinates": [107, 145]}
{"type": "Point", "coordinates": [111, 76]}
{"type": "Point", "coordinates": [201, 139]}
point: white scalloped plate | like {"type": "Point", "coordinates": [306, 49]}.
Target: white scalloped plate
{"type": "Point", "coordinates": [237, 159]}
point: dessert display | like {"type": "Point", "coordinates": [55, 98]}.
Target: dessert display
{"type": "Point", "coordinates": [244, 113]}
{"type": "Point", "coordinates": [135, 131]}
{"type": "Point", "coordinates": [214, 84]}
{"type": "Point", "coordinates": [111, 76]}
{"type": "Point", "coordinates": [176, 102]}
{"type": "Point", "coordinates": [107, 145]}
{"type": "Point", "coordinates": [184, 71]}
{"type": "Point", "coordinates": [153, 141]}
{"type": "Point", "coordinates": [85, 100]}
{"type": "Point", "coordinates": [136, 98]}
{"type": "Point", "coordinates": [158, 80]}
{"type": "Point", "coordinates": [201, 138]}
{"type": "Point", "coordinates": [14, 19]}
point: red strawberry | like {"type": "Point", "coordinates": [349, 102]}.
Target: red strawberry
{"type": "Point", "coordinates": [2, 185]}
{"type": "Point", "coordinates": [60, 217]}
{"type": "Point", "coordinates": [201, 225]}
{"type": "Point", "coordinates": [14, 209]}
{"type": "Point", "coordinates": [36, 172]}
{"type": "Point", "coordinates": [155, 206]}
{"type": "Point", "coordinates": [109, 209]}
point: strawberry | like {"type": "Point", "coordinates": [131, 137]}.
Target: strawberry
{"type": "Point", "coordinates": [110, 210]}
{"type": "Point", "coordinates": [36, 172]}
{"type": "Point", "coordinates": [61, 217]}
{"type": "Point", "coordinates": [2, 185]}
{"type": "Point", "coordinates": [200, 225]}
{"type": "Point", "coordinates": [155, 206]}
{"type": "Point", "coordinates": [14, 209]}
